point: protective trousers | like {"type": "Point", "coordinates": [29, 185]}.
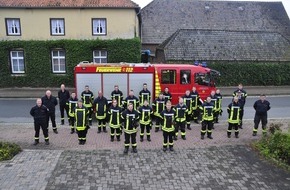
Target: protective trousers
{"type": "Point", "coordinates": [148, 127]}
{"type": "Point", "coordinates": [257, 120]}
{"type": "Point", "coordinates": [51, 115]}
{"type": "Point", "coordinates": [168, 139]}
{"type": "Point", "coordinates": [180, 126]}
{"type": "Point", "coordinates": [62, 108]}
{"type": "Point", "coordinates": [234, 126]}
{"type": "Point", "coordinates": [37, 126]}
{"type": "Point", "coordinates": [206, 127]}
{"type": "Point", "coordinates": [131, 136]}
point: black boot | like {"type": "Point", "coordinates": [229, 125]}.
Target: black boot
{"type": "Point", "coordinates": [171, 149]}
{"type": "Point", "coordinates": [148, 138]}
{"type": "Point", "coordinates": [134, 150]}
{"type": "Point", "coordinates": [141, 138]}
{"type": "Point", "coordinates": [47, 142]}
{"type": "Point", "coordinates": [112, 138]}
{"type": "Point", "coordinates": [156, 129]}
{"type": "Point", "coordinates": [90, 122]}
{"type": "Point", "coordinates": [55, 131]}
{"type": "Point", "coordinates": [72, 131]}
{"type": "Point", "coordinates": [209, 136]}
{"type": "Point", "coordinates": [104, 129]}
{"type": "Point", "coordinates": [99, 130]}
{"type": "Point", "coordinates": [183, 137]}
{"type": "Point", "coordinates": [188, 127]}
{"type": "Point", "coordinates": [118, 138]}
{"type": "Point", "coordinates": [36, 142]}
{"type": "Point", "coordinates": [126, 150]}
{"type": "Point", "coordinates": [202, 137]}
{"type": "Point", "coordinates": [62, 122]}
{"type": "Point", "coordinates": [164, 149]}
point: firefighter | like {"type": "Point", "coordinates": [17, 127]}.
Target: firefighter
{"type": "Point", "coordinates": [168, 121]}
{"type": "Point", "coordinates": [131, 99]}
{"type": "Point", "coordinates": [81, 120]}
{"type": "Point", "coordinates": [234, 110]}
{"type": "Point", "coordinates": [100, 105]}
{"type": "Point", "coordinates": [50, 102]}
{"type": "Point", "coordinates": [166, 94]}
{"type": "Point", "coordinates": [88, 97]}
{"type": "Point", "coordinates": [242, 104]}
{"type": "Point", "coordinates": [219, 110]}
{"type": "Point", "coordinates": [262, 106]}
{"type": "Point", "coordinates": [40, 112]}
{"type": "Point", "coordinates": [72, 103]}
{"type": "Point", "coordinates": [207, 111]}
{"type": "Point", "coordinates": [214, 102]}
{"type": "Point", "coordinates": [117, 95]}
{"type": "Point", "coordinates": [158, 106]}
{"type": "Point", "coordinates": [145, 116]}
{"type": "Point", "coordinates": [115, 120]}
{"type": "Point", "coordinates": [131, 119]}
{"type": "Point", "coordinates": [63, 96]}
{"type": "Point", "coordinates": [181, 112]}
{"type": "Point", "coordinates": [242, 94]}
{"type": "Point", "coordinates": [188, 102]}
{"type": "Point", "coordinates": [196, 102]}
{"type": "Point", "coordinates": [144, 94]}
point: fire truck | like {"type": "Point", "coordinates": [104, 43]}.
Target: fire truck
{"type": "Point", "coordinates": [131, 76]}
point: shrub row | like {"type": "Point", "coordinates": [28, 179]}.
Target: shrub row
{"type": "Point", "coordinates": [252, 73]}
{"type": "Point", "coordinates": [37, 58]}
{"type": "Point", "coordinates": [8, 150]}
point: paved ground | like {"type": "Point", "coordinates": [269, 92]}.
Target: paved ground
{"type": "Point", "coordinates": [220, 163]}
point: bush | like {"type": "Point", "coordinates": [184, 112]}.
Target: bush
{"type": "Point", "coordinates": [252, 73]}
{"type": "Point", "coordinates": [276, 145]}
{"type": "Point", "coordinates": [8, 150]}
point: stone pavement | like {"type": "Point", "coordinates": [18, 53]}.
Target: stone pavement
{"type": "Point", "coordinates": [220, 163]}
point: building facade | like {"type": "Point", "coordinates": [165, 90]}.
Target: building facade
{"type": "Point", "coordinates": [56, 23]}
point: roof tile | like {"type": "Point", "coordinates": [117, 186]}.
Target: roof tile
{"type": "Point", "coordinates": [69, 3]}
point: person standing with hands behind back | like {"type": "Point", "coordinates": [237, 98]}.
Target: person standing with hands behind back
{"type": "Point", "coordinates": [39, 113]}
{"type": "Point", "coordinates": [262, 106]}
{"type": "Point", "coordinates": [50, 102]}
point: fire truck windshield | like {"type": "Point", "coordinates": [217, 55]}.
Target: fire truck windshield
{"type": "Point", "coordinates": [205, 79]}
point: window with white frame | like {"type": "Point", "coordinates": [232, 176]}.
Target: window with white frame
{"type": "Point", "coordinates": [17, 62]}
{"type": "Point", "coordinates": [58, 61]}
{"type": "Point", "coordinates": [100, 56]}
{"type": "Point", "coordinates": [99, 26]}
{"type": "Point", "coordinates": [13, 27]}
{"type": "Point", "coordinates": [56, 26]}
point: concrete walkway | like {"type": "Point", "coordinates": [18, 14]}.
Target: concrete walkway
{"type": "Point", "coordinates": [221, 163]}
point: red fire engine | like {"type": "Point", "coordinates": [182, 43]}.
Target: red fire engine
{"type": "Point", "coordinates": [131, 76]}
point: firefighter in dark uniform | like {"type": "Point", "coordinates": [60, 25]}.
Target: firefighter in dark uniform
{"type": "Point", "coordinates": [242, 94]}
{"type": "Point", "coordinates": [181, 112]}
{"type": "Point", "coordinates": [234, 110]}
{"type": "Point", "coordinates": [168, 121]}
{"type": "Point", "coordinates": [145, 116]}
{"type": "Point", "coordinates": [144, 94]}
{"type": "Point", "coordinates": [214, 102]}
{"type": "Point", "coordinates": [219, 110]}
{"type": "Point", "coordinates": [101, 108]}
{"type": "Point", "coordinates": [207, 111]}
{"type": "Point", "coordinates": [262, 106]}
{"type": "Point", "coordinates": [196, 103]}
{"type": "Point", "coordinates": [158, 106]}
{"type": "Point", "coordinates": [81, 120]}
{"type": "Point", "coordinates": [187, 99]}
{"type": "Point", "coordinates": [131, 99]}
{"type": "Point", "coordinates": [39, 113]}
{"type": "Point", "coordinates": [167, 95]}
{"type": "Point", "coordinates": [72, 103]}
{"type": "Point", "coordinates": [50, 102]}
{"type": "Point", "coordinates": [88, 97]}
{"type": "Point", "coordinates": [63, 96]}
{"type": "Point", "coordinates": [117, 95]}
{"type": "Point", "coordinates": [131, 119]}
{"type": "Point", "coordinates": [115, 120]}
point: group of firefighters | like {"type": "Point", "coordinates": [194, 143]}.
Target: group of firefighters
{"type": "Point", "coordinates": [126, 115]}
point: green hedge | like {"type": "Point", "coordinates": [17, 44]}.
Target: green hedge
{"type": "Point", "coordinates": [8, 150]}
{"type": "Point", "coordinates": [37, 57]}
{"type": "Point", "coordinates": [252, 73]}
